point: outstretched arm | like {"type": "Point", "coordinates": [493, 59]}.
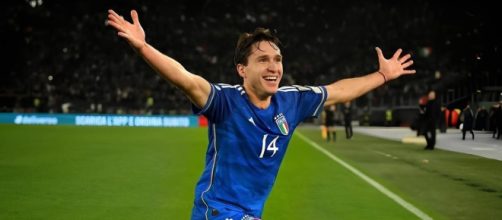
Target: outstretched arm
{"type": "Point", "coordinates": [389, 69]}
{"type": "Point", "coordinates": [196, 88]}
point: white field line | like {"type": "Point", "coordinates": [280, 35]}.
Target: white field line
{"type": "Point", "coordinates": [378, 186]}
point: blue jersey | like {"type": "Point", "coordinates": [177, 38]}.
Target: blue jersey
{"type": "Point", "coordinates": [247, 145]}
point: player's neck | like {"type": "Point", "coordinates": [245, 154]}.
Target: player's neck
{"type": "Point", "coordinates": [260, 101]}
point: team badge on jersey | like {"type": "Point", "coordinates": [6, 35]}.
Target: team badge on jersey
{"type": "Point", "coordinates": [282, 124]}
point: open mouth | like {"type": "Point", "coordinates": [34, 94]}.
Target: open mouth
{"type": "Point", "coordinates": [270, 78]}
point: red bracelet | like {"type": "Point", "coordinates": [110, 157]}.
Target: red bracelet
{"type": "Point", "coordinates": [384, 78]}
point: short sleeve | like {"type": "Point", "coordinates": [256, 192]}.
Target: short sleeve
{"type": "Point", "coordinates": [311, 101]}
{"type": "Point", "coordinates": [216, 107]}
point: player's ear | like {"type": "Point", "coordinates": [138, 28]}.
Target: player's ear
{"type": "Point", "coordinates": [240, 70]}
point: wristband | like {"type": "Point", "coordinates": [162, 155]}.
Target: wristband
{"type": "Point", "coordinates": [384, 77]}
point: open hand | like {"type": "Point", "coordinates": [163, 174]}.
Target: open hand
{"type": "Point", "coordinates": [133, 33]}
{"type": "Point", "coordinates": [395, 66]}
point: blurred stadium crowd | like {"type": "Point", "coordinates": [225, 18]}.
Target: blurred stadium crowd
{"type": "Point", "coordinates": [62, 58]}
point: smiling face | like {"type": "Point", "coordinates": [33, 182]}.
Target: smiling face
{"type": "Point", "coordinates": [263, 71]}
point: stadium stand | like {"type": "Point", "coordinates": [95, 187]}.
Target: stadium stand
{"type": "Point", "coordinates": [62, 57]}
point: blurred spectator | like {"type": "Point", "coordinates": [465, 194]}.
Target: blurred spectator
{"type": "Point", "coordinates": [328, 118]}
{"type": "Point", "coordinates": [420, 120]}
{"type": "Point", "coordinates": [347, 117]}
{"type": "Point", "coordinates": [481, 119]}
{"type": "Point", "coordinates": [443, 120]}
{"type": "Point", "coordinates": [467, 118]}
{"type": "Point", "coordinates": [497, 121]}
{"type": "Point", "coordinates": [432, 114]}
{"type": "Point", "coordinates": [388, 117]}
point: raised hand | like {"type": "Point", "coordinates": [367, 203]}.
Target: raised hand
{"type": "Point", "coordinates": [395, 66]}
{"type": "Point", "coordinates": [133, 33]}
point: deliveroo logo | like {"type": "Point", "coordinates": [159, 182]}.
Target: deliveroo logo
{"type": "Point", "coordinates": [282, 124]}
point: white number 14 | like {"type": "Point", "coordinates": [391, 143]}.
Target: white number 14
{"type": "Point", "coordinates": [270, 147]}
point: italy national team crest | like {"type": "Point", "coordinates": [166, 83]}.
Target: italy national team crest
{"type": "Point", "coordinates": [282, 124]}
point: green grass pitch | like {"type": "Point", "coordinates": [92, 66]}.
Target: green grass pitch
{"type": "Point", "coordinates": [69, 172]}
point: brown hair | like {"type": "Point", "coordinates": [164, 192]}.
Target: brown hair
{"type": "Point", "coordinates": [246, 40]}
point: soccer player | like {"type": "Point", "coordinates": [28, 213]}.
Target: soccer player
{"type": "Point", "coordinates": [251, 124]}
